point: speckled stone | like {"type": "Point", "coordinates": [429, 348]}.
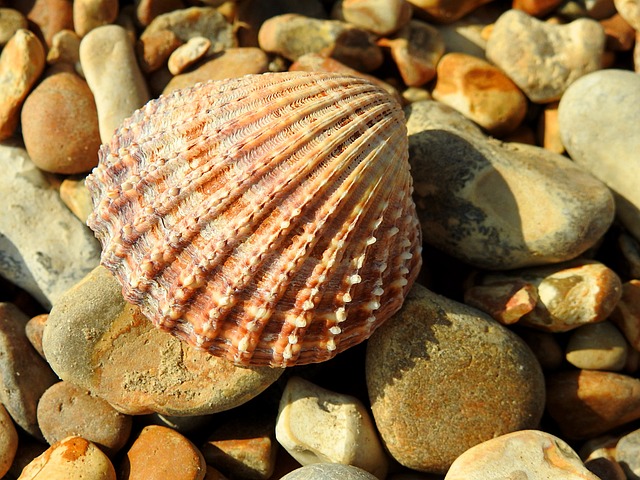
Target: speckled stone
{"type": "Point", "coordinates": [97, 341]}
{"type": "Point", "coordinates": [8, 441]}
{"type": "Point", "coordinates": [65, 410]}
{"type": "Point", "coordinates": [74, 457]}
{"type": "Point", "coordinates": [160, 453]}
{"type": "Point", "coordinates": [599, 346]}
{"type": "Point", "coordinates": [530, 454]}
{"type": "Point", "coordinates": [563, 53]}
{"type": "Point", "coordinates": [329, 471]}
{"type": "Point", "coordinates": [598, 117]}
{"type": "Point", "coordinates": [431, 374]}
{"type": "Point", "coordinates": [499, 205]}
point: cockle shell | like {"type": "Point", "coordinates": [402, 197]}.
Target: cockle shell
{"type": "Point", "coordinates": [267, 219]}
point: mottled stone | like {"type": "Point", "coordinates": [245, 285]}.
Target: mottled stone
{"type": "Point", "coordinates": [597, 117]}
{"type": "Point", "coordinates": [431, 374]}
{"type": "Point", "coordinates": [160, 453]}
{"type": "Point", "coordinates": [563, 53]}
{"type": "Point", "coordinates": [497, 205]}
{"type": "Point", "coordinates": [21, 63]}
{"type": "Point", "coordinates": [186, 55]}
{"type": "Point", "coordinates": [599, 346]}
{"type": "Point", "coordinates": [49, 263]}
{"type": "Point", "coordinates": [73, 457]}
{"type": "Point", "coordinates": [112, 73]}
{"type": "Point", "coordinates": [90, 14]}
{"type": "Point", "coordinates": [381, 17]}
{"type": "Point", "coordinates": [481, 92]}
{"type": "Point", "coordinates": [8, 441]}
{"type": "Point", "coordinates": [34, 330]}
{"type": "Point", "coordinates": [445, 11]}
{"type": "Point", "coordinates": [10, 22]}
{"type": "Point", "coordinates": [65, 410]}
{"type": "Point", "coordinates": [530, 454]}
{"type": "Point", "coordinates": [586, 403]}
{"type": "Point", "coordinates": [70, 144]}
{"type": "Point", "coordinates": [97, 341]}
{"type": "Point", "coordinates": [316, 425]}
{"type": "Point", "coordinates": [416, 49]}
{"type": "Point", "coordinates": [24, 375]}
{"type": "Point", "coordinates": [292, 35]}
{"type": "Point", "coordinates": [329, 471]}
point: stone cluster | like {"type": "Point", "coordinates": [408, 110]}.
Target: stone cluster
{"type": "Point", "coordinates": [517, 351]}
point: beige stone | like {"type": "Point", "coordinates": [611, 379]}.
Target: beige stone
{"type": "Point", "coordinates": [10, 22]}
{"type": "Point", "coordinates": [186, 55]}
{"type": "Point", "coordinates": [90, 14]}
{"type": "Point", "coordinates": [381, 17]}
{"type": "Point", "coordinates": [65, 48]}
{"type": "Point", "coordinates": [599, 346]}
{"type": "Point", "coordinates": [76, 197]}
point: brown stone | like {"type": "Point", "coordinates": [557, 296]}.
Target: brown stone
{"type": "Point", "coordinates": [8, 441]}
{"type": "Point", "coordinates": [90, 14]}
{"type": "Point", "coordinates": [536, 8]}
{"type": "Point", "coordinates": [10, 22]}
{"type": "Point", "coordinates": [626, 315]}
{"type": "Point", "coordinates": [160, 453]}
{"type": "Point", "coordinates": [148, 10]}
{"type": "Point", "coordinates": [445, 11]}
{"type": "Point", "coordinates": [505, 301]}
{"type": "Point", "coordinates": [34, 330]}
{"type": "Point", "coordinates": [620, 36]}
{"type": "Point", "coordinates": [156, 48]}
{"type": "Point", "coordinates": [49, 16]}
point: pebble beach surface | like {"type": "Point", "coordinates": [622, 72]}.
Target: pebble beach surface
{"type": "Point", "coordinates": [515, 355]}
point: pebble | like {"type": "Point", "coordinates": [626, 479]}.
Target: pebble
{"type": "Point", "coordinates": [499, 205]}
{"type": "Point", "coordinates": [10, 22]}
{"type": "Point", "coordinates": [599, 346]}
{"type": "Point", "coordinates": [24, 375]}
{"type": "Point", "coordinates": [186, 55]}
{"type": "Point", "coordinates": [627, 313]}
{"type": "Point", "coordinates": [90, 14]}
{"type": "Point", "coordinates": [445, 11]}
{"type": "Point", "coordinates": [620, 35]}
{"type": "Point", "coordinates": [548, 131]}
{"type": "Point", "coordinates": [97, 341]}
{"type": "Point", "coordinates": [329, 471]}
{"type": "Point", "coordinates": [536, 8]}
{"type": "Point", "coordinates": [316, 425]}
{"type": "Point", "coordinates": [627, 454]}
{"type": "Point", "coordinates": [49, 16]}
{"type": "Point", "coordinates": [563, 53]}
{"type": "Point", "coordinates": [8, 441]}
{"type": "Point", "coordinates": [530, 454]}
{"type": "Point", "coordinates": [111, 70]}
{"type": "Point", "coordinates": [49, 263]}
{"type": "Point", "coordinates": [156, 48]}
{"type": "Point", "coordinates": [34, 330]}
{"type": "Point", "coordinates": [72, 457]}
{"type": "Point", "coordinates": [630, 11]}
{"type": "Point", "coordinates": [597, 118]}
{"type": "Point", "coordinates": [381, 17]}
{"type": "Point", "coordinates": [148, 10]}
{"type": "Point", "coordinates": [243, 447]}
{"type": "Point", "coordinates": [443, 377]}
{"type": "Point", "coordinates": [481, 92]}
{"type": "Point", "coordinates": [467, 35]}
{"type": "Point", "coordinates": [587, 403]}
{"type": "Point", "coordinates": [160, 453]}
{"type": "Point", "coordinates": [604, 464]}
{"type": "Point", "coordinates": [233, 62]}
{"type": "Point", "coordinates": [416, 49]}
{"type": "Point", "coordinates": [292, 35]}
{"type": "Point", "coordinates": [70, 144]}
{"type": "Point", "coordinates": [65, 410]}
{"type": "Point", "coordinates": [21, 64]}
{"type": "Point", "coordinates": [76, 197]}
{"type": "Point", "coordinates": [567, 295]}
{"type": "Point", "coordinates": [65, 48]}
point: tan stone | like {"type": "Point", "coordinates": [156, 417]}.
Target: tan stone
{"type": "Point", "coordinates": [155, 49]}
{"type": "Point", "coordinates": [445, 11]}
{"type": "Point", "coordinates": [76, 197]}
{"type": "Point", "coordinates": [8, 441]}
{"type": "Point", "coordinates": [536, 8]}
{"type": "Point", "coordinates": [49, 16]}
{"type": "Point", "coordinates": [34, 330]}
{"type": "Point", "coordinates": [381, 17]}
{"type": "Point", "coordinates": [620, 35]}
{"type": "Point", "coordinates": [549, 130]}
{"type": "Point", "coordinates": [186, 55]}
{"type": "Point", "coordinates": [599, 346]}
{"type": "Point", "coordinates": [627, 313]}
{"type": "Point", "coordinates": [10, 22]}
{"type": "Point", "coordinates": [65, 48]}
{"type": "Point", "coordinates": [630, 11]}
{"type": "Point", "coordinates": [90, 14]}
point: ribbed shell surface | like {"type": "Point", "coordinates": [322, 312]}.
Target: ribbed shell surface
{"type": "Point", "coordinates": [267, 219]}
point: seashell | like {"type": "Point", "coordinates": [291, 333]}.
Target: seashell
{"type": "Point", "coordinates": [267, 219]}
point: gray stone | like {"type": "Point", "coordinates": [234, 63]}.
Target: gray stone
{"type": "Point", "coordinates": [44, 248]}
{"type": "Point", "coordinates": [499, 205]}
{"type": "Point", "coordinates": [329, 471]}
{"type": "Point", "coordinates": [443, 377]}
{"type": "Point", "coordinates": [598, 119]}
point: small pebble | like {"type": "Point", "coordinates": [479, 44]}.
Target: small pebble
{"type": "Point", "coordinates": [545, 347]}
{"type": "Point", "coordinates": [381, 17]}
{"type": "Point", "coordinates": [466, 35]}
{"type": "Point", "coordinates": [536, 8]}
{"type": "Point", "coordinates": [160, 453]}
{"type": "Point", "coordinates": [186, 55]}
{"type": "Point", "coordinates": [627, 453]}
{"type": "Point", "coordinates": [481, 92]}
{"type": "Point", "coordinates": [292, 36]}
{"type": "Point", "coordinates": [445, 11]}
{"type": "Point", "coordinates": [620, 35]}
{"type": "Point", "coordinates": [65, 48]}
{"type": "Point", "coordinates": [329, 471]}
{"type": "Point", "coordinates": [506, 300]}
{"type": "Point", "coordinates": [10, 22]}
{"type": "Point", "coordinates": [34, 330]}
{"type": "Point", "coordinates": [586, 403]}
{"type": "Point", "coordinates": [97, 341]}
{"type": "Point", "coordinates": [76, 197]}
{"type": "Point", "coordinates": [8, 441]}
{"type": "Point", "coordinates": [70, 144]}
{"type": "Point", "coordinates": [599, 346]}
{"type": "Point", "coordinates": [156, 48]}
{"type": "Point", "coordinates": [49, 16]}
{"type": "Point", "coordinates": [148, 10]}
{"type": "Point", "coordinates": [416, 49]}
{"type": "Point", "coordinates": [530, 454]}
{"type": "Point", "coordinates": [443, 377]}
{"type": "Point", "coordinates": [563, 53]}
{"type": "Point", "coordinates": [65, 410]}
{"type": "Point", "coordinates": [316, 425]}
{"type": "Point", "coordinates": [112, 73]}
{"type": "Point", "coordinates": [548, 134]}
{"type": "Point", "coordinates": [602, 462]}
{"type": "Point", "coordinates": [71, 458]}
{"type": "Point", "coordinates": [90, 14]}
{"type": "Point", "coordinates": [21, 63]}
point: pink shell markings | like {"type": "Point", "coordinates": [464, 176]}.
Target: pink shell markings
{"type": "Point", "coordinates": [267, 219]}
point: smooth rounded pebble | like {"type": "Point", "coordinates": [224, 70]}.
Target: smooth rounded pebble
{"type": "Point", "coordinates": [381, 17]}
{"type": "Point", "coordinates": [499, 205]}
{"type": "Point", "coordinates": [316, 425]}
{"type": "Point", "coordinates": [8, 441]}
{"type": "Point", "coordinates": [95, 340]}
{"type": "Point", "coordinates": [10, 22]}
{"type": "Point", "coordinates": [597, 117]}
{"type": "Point", "coordinates": [70, 143]}
{"type": "Point", "coordinates": [443, 377]}
{"type": "Point", "coordinates": [90, 14]}
{"type": "Point", "coordinates": [160, 453]}
{"type": "Point", "coordinates": [329, 471]}
{"type": "Point", "coordinates": [599, 346]}
{"type": "Point", "coordinates": [530, 454]}
{"type": "Point", "coordinates": [562, 53]}
{"type": "Point", "coordinates": [65, 410]}
{"type": "Point", "coordinates": [112, 73]}
{"type": "Point", "coordinates": [71, 458]}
